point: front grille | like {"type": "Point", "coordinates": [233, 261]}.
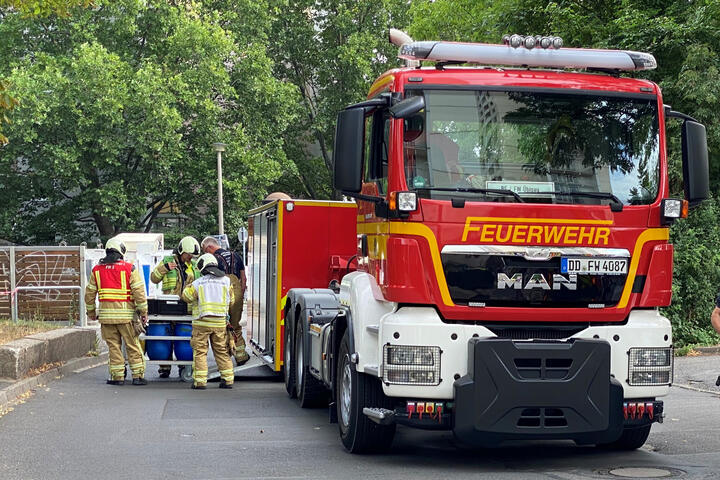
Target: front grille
{"type": "Point", "coordinates": [522, 333]}
{"type": "Point", "coordinates": [477, 279]}
{"type": "Point", "coordinates": [542, 417]}
{"type": "Point", "coordinates": [543, 368]}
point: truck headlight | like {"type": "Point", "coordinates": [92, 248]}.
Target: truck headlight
{"type": "Point", "coordinates": [650, 366]}
{"type": "Point", "coordinates": [411, 364]}
{"type": "Point", "coordinates": [410, 355]}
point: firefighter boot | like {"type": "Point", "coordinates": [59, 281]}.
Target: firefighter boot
{"type": "Point", "coordinates": [139, 381]}
{"type": "Point", "coordinates": [241, 356]}
{"type": "Point", "coordinates": [224, 384]}
{"type": "Point", "coordinates": [115, 382]}
{"type": "Point", "coordinates": [199, 386]}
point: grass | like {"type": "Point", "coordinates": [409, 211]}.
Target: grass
{"type": "Point", "coordinates": [686, 350]}
{"type": "Point", "coordinates": [10, 331]}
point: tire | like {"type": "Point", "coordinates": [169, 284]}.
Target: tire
{"type": "Point", "coordinates": [310, 391]}
{"type": "Point", "coordinates": [356, 391]}
{"type": "Point", "coordinates": [289, 363]}
{"type": "Point", "coordinates": [631, 438]}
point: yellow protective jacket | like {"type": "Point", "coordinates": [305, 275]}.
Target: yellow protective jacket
{"type": "Point", "coordinates": [119, 295]}
{"type": "Point", "coordinates": [210, 298]}
{"type": "Point", "coordinates": [172, 280]}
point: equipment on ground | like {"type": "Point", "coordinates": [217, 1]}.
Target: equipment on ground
{"type": "Point", "coordinates": [501, 272]}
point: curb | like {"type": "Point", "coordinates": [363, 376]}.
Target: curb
{"type": "Point", "coordinates": [695, 389]}
{"type": "Point", "coordinates": [9, 394]}
{"type": "Point", "coordinates": [708, 350]}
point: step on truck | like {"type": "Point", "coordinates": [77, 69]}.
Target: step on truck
{"type": "Point", "coordinates": [500, 271]}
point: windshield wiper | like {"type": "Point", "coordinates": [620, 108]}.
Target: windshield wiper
{"type": "Point", "coordinates": [497, 191]}
{"type": "Point", "coordinates": [615, 205]}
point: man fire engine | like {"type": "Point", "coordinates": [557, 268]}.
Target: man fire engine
{"type": "Point", "coordinates": [511, 241]}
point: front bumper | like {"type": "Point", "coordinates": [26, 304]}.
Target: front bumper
{"type": "Point", "coordinates": [423, 326]}
{"type": "Point", "coordinates": [538, 390]}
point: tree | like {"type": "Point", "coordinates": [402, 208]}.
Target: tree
{"type": "Point", "coordinates": [331, 51]}
{"type": "Point", "coordinates": [119, 107]}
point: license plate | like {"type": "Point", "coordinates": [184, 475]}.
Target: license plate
{"type": "Point", "coordinates": [594, 266]}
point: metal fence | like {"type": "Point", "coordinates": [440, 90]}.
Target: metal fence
{"type": "Point", "coordinates": [44, 283]}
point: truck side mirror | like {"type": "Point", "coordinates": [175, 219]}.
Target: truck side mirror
{"type": "Point", "coordinates": [408, 107]}
{"type": "Point", "coordinates": [349, 150]}
{"type": "Point", "coordinates": [695, 162]}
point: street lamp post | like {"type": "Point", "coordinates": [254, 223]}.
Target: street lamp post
{"type": "Point", "coordinates": [219, 148]}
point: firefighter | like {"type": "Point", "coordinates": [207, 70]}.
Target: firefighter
{"type": "Point", "coordinates": [122, 313]}
{"type": "Point", "coordinates": [177, 271]}
{"type": "Point", "coordinates": [231, 263]}
{"type": "Point", "coordinates": [211, 297]}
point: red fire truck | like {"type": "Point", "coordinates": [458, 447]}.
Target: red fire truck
{"type": "Point", "coordinates": [500, 271]}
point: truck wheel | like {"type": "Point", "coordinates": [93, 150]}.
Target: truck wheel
{"type": "Point", "coordinates": [289, 363]}
{"type": "Point", "coordinates": [310, 391]}
{"type": "Point", "coordinates": [631, 438]}
{"type": "Point", "coordinates": [356, 391]}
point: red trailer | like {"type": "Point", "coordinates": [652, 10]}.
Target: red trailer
{"type": "Point", "coordinates": [293, 243]}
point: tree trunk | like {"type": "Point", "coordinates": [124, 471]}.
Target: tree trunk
{"type": "Point", "coordinates": [104, 225]}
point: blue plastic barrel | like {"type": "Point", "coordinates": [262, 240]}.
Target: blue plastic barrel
{"type": "Point", "coordinates": [146, 277]}
{"type": "Point", "coordinates": [159, 349]}
{"type": "Point", "coordinates": [183, 350]}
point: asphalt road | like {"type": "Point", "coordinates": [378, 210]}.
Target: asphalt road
{"type": "Point", "coordinates": [79, 428]}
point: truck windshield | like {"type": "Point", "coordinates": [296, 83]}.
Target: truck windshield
{"type": "Point", "coordinates": [533, 144]}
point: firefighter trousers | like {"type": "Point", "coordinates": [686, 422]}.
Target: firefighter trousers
{"type": "Point", "coordinates": [216, 336]}
{"type": "Point", "coordinates": [236, 310]}
{"type": "Point", "coordinates": [114, 334]}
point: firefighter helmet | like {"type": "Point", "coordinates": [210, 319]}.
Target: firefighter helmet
{"type": "Point", "coordinates": [208, 265]}
{"type": "Point", "coordinates": [188, 245]}
{"type": "Point", "coordinates": [116, 245]}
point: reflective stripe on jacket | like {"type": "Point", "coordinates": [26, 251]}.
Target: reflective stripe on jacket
{"type": "Point", "coordinates": [210, 298]}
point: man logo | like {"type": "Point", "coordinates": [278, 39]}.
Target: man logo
{"type": "Point", "coordinates": [537, 280]}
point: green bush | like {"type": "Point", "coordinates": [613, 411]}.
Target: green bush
{"type": "Point", "coordinates": [696, 275]}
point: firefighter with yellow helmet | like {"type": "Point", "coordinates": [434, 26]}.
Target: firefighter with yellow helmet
{"type": "Point", "coordinates": [211, 297]}
{"type": "Point", "coordinates": [177, 271]}
{"type": "Point", "coordinates": [122, 313]}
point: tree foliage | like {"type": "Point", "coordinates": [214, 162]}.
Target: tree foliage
{"type": "Point", "coordinates": [331, 51]}
{"type": "Point", "coordinates": [29, 8]}
{"type": "Point", "coordinates": [119, 108]}
{"type": "Point", "coordinates": [42, 8]}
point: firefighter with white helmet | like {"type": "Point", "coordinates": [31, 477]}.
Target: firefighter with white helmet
{"type": "Point", "coordinates": [232, 264]}
{"type": "Point", "coordinates": [122, 312]}
{"type": "Point", "coordinates": [211, 297]}
{"type": "Point", "coordinates": [176, 271]}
